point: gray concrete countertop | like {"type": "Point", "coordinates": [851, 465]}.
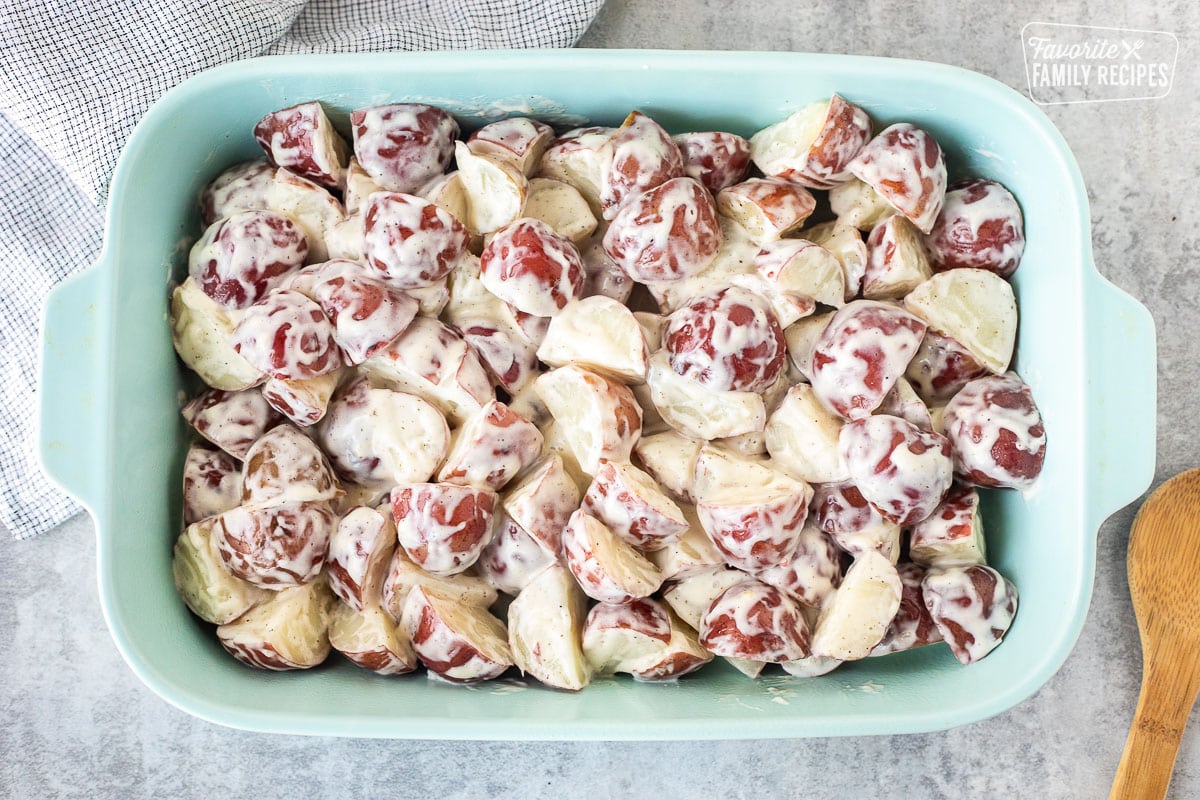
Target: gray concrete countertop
{"type": "Point", "coordinates": [75, 722]}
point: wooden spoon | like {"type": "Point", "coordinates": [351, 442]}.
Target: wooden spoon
{"type": "Point", "coordinates": [1164, 581]}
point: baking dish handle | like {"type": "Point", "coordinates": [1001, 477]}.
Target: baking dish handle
{"type": "Point", "coordinates": [1122, 388]}
{"type": "Point", "coordinates": [69, 426]}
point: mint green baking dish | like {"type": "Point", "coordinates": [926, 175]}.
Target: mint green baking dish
{"type": "Point", "coordinates": [112, 436]}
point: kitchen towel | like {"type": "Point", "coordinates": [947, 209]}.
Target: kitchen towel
{"type": "Point", "coordinates": [74, 80]}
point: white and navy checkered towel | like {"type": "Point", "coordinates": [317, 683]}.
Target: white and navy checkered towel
{"type": "Point", "coordinates": [74, 80]}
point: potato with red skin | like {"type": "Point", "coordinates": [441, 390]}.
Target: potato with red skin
{"type": "Point", "coordinates": [715, 158]}
{"type": "Point", "coordinates": [545, 626]}
{"type": "Point", "coordinates": [495, 190]}
{"type": "Point", "coordinates": [212, 483]}
{"type": "Point", "coordinates": [860, 355]}
{"type": "Point", "coordinates": [751, 620]}
{"type": "Point", "coordinates": [302, 139]}
{"type": "Point", "coordinates": [403, 145]}
{"type": "Point", "coordinates": [310, 205]}
{"type": "Point", "coordinates": [276, 546]}
{"type": "Point", "coordinates": [912, 626]}
{"type": "Point", "coordinates": [289, 631]}
{"type": "Point", "coordinates": [980, 227]}
{"type": "Point", "coordinates": [639, 156]}
{"type": "Point", "coordinates": [768, 208]}
{"type": "Point", "coordinates": [666, 234]}
{"type": "Point", "coordinates": [693, 552]}
{"type": "Point", "coordinates": [598, 417]}
{"type": "Point", "coordinates": [852, 523]}
{"type": "Point", "coordinates": [303, 402]}
{"type": "Point", "coordinates": [633, 507]}
{"type": "Point", "coordinates": [608, 569]}
{"type": "Point", "coordinates": [904, 164]}
{"type": "Point", "coordinates": [358, 187]}
{"type": "Point", "coordinates": [443, 527]}
{"type": "Point", "coordinates": [575, 159]}
{"type": "Point", "coordinates": [403, 576]}
{"type": "Point", "coordinates": [854, 619]}
{"type": "Point", "coordinates": [952, 534]}
{"type": "Point", "coordinates": [903, 471]}
{"type": "Point", "coordinates": [512, 559]}
{"type": "Point", "coordinates": [530, 266]}
{"type": "Point", "coordinates": [940, 367]}
{"type": "Point", "coordinates": [360, 552]}
{"type": "Point", "coordinates": [230, 420]}
{"type": "Point", "coordinates": [491, 448]}
{"type": "Point", "coordinates": [411, 241]}
{"type": "Point", "coordinates": [857, 205]}
{"type": "Point", "coordinates": [690, 596]}
{"type": "Point", "coordinates": [670, 458]}
{"type": "Point", "coordinates": [903, 402]}
{"type": "Point", "coordinates": [682, 655]}
{"type": "Point", "coordinates": [896, 261]}
{"type": "Point", "coordinates": [285, 465]}
{"type": "Point", "coordinates": [976, 308]}
{"type": "Point", "coordinates": [370, 639]}
{"type": "Point", "coordinates": [456, 640]}
{"type": "Point", "coordinates": [618, 635]}
{"type": "Point", "coordinates": [727, 340]}
{"type": "Point", "coordinates": [287, 336]}
{"type": "Point", "coordinates": [242, 187]}
{"type": "Point", "coordinates": [996, 432]}
{"type": "Point", "coordinates": [518, 140]}
{"type": "Point", "coordinates": [542, 502]}
{"type": "Point", "coordinates": [238, 259]}
{"type": "Point", "coordinates": [204, 583]}
{"type": "Point", "coordinates": [813, 570]}
{"type": "Point", "coordinates": [695, 411]}
{"type": "Point", "coordinates": [507, 353]}
{"type": "Point", "coordinates": [804, 267]}
{"type": "Point", "coordinates": [973, 607]}
{"type": "Point", "coordinates": [367, 313]}
{"type": "Point", "coordinates": [847, 245]}
{"type": "Point", "coordinates": [815, 146]}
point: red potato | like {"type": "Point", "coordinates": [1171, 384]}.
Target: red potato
{"type": "Point", "coordinates": [598, 417]}
{"type": "Point", "coordinates": [665, 234]}
{"type": "Point", "coordinates": [562, 207]}
{"type": "Point", "coordinates": [902, 401]}
{"type": "Point", "coordinates": [600, 334]}
{"type": "Point", "coordinates": [980, 227]}
{"type": "Point", "coordinates": [683, 655]}
{"type": "Point", "coordinates": [212, 483]}
{"type": "Point", "coordinates": [801, 336]}
{"type": "Point", "coordinates": [728, 340]}
{"type": "Point", "coordinates": [303, 402]}
{"type": "Point", "coordinates": [513, 558]}
{"type": "Point", "coordinates": [639, 156]}
{"type": "Point", "coordinates": [802, 438]}
{"type": "Point", "coordinates": [360, 552]}
{"type": "Point", "coordinates": [285, 465]}
{"type": "Point", "coordinates": [456, 640]}
{"type": "Point", "coordinates": [973, 607]}
{"type": "Point", "coordinates": [367, 313]}
{"type": "Point", "coordinates": [912, 626]}
{"type": "Point", "coordinates": [803, 267]}
{"type": "Point", "coordinates": [860, 355]}
{"type": "Point", "coordinates": [288, 337]}
{"type": "Point", "coordinates": [940, 367]}
{"type": "Point", "coordinates": [403, 576]}
{"type": "Point", "coordinates": [996, 432]}
{"type": "Point", "coordinates": [854, 525]}
{"type": "Point", "coordinates": [545, 627]}
{"type": "Point", "coordinates": [495, 190]}
{"type": "Point", "coordinates": [670, 459]}
{"type": "Point", "coordinates": [814, 146]}
{"type": "Point", "coordinates": [903, 471]}
{"type": "Point", "coordinates": [697, 412]}
{"type": "Point", "coordinates": [289, 631]}
{"type": "Point", "coordinates": [607, 568]}
{"type": "Point", "coordinates": [575, 159]}
{"type": "Point", "coordinates": [974, 307]}
{"type": "Point", "coordinates": [856, 617]}
{"type": "Point", "coordinates": [369, 638]}
{"type": "Point", "coordinates": [631, 505]}
{"type": "Point", "coordinates": [201, 331]}
{"type": "Point", "coordinates": [242, 187]}
{"type": "Point", "coordinates": [952, 534]}
{"type": "Point", "coordinates": [690, 596]}
{"type": "Point", "coordinates": [448, 193]}
{"type": "Point", "coordinates": [768, 208]}
{"type": "Point", "coordinates": [207, 587]}
{"type": "Point", "coordinates": [896, 261]}
{"type": "Point", "coordinates": [813, 570]}
{"type": "Point", "coordinates": [518, 140]}
{"type": "Point", "coordinates": [904, 164]}
{"type": "Point", "coordinates": [402, 145]}
{"type": "Point", "coordinates": [847, 245]}
{"type": "Point", "coordinates": [411, 241]}
{"type": "Point", "coordinates": [507, 353]}
{"type": "Point", "coordinates": [530, 266]}
{"type": "Point", "coordinates": [230, 420]}
{"type": "Point", "coordinates": [542, 500]}
{"type": "Point", "coordinates": [857, 205]}
{"type": "Point", "coordinates": [310, 205]}
{"type": "Point", "coordinates": [359, 186]}
{"type": "Point", "coordinates": [786, 305]}
{"type": "Point", "coordinates": [617, 636]}
{"type": "Point", "coordinates": [811, 667]}
{"type": "Point", "coordinates": [751, 620]}
{"type": "Point", "coordinates": [443, 527]}
{"type": "Point", "coordinates": [302, 139]}
{"type": "Point", "coordinates": [715, 158]}
{"type": "Point", "coordinates": [379, 437]}
{"type": "Point", "coordinates": [238, 259]}
{"type": "Point", "coordinates": [277, 546]}
{"type": "Point", "coordinates": [431, 299]}
{"type": "Point", "coordinates": [491, 448]}
{"type": "Point", "coordinates": [691, 553]}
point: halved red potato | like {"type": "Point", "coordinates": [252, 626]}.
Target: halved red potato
{"type": "Point", "coordinates": [403, 576]}
{"type": "Point", "coordinates": [517, 140]}
{"type": "Point", "coordinates": [409, 240]}
{"type": "Point", "coordinates": [402, 145]}
{"type": "Point", "coordinates": [665, 234]}
{"type": "Point", "coordinates": [973, 606]}
{"type": "Point", "coordinates": [639, 156]}
{"type": "Point", "coordinates": [285, 465]}
{"type": "Point", "coordinates": [562, 207]}
{"type": "Point", "coordinates": [380, 437]}
{"type": "Point", "coordinates": [801, 336]}
{"type": "Point", "coordinates": [443, 527]}
{"type": "Point", "coordinates": [941, 367]}
{"type": "Point", "coordinates": [242, 187]}
{"type": "Point", "coordinates": [904, 164]}
{"type": "Point", "coordinates": [715, 158]}
{"type": "Point", "coordinates": [857, 205]}
{"type": "Point", "coordinates": [692, 552]}
{"type": "Point", "coordinates": [448, 193]}
{"type": "Point", "coordinates": [238, 259]}
{"type": "Point", "coordinates": [854, 525]}
{"type": "Point", "coordinates": [980, 227]}
{"type": "Point", "coordinates": [952, 534]}
{"type": "Point", "coordinates": [212, 483]}
{"type": "Point", "coordinates": [491, 448]}
{"type": "Point", "coordinates": [813, 570]}
{"type": "Point", "coordinates": [288, 631]}
{"type": "Point", "coordinates": [282, 545]}
{"type": "Point", "coordinates": [503, 348]}
{"type": "Point", "coordinates": [202, 332]}
{"type": "Point", "coordinates": [803, 267]}
{"type": "Point", "coordinates": [617, 636]}
{"type": "Point", "coordinates": [545, 626]}
{"type": "Point", "coordinates": [861, 353]}
{"type": "Point", "coordinates": [847, 245]}
{"type": "Point", "coordinates": [557, 443]}
{"type": "Point", "coordinates": [360, 552]}
{"type": "Point", "coordinates": [996, 432]}
{"type": "Point", "coordinates": [903, 402]}
{"type": "Point", "coordinates": [574, 158]}
{"type": "Point", "coordinates": [690, 596]}
{"type": "Point", "coordinates": [302, 139]}
{"type": "Point", "coordinates": [370, 639]}
{"type": "Point", "coordinates": [903, 471]}
{"type": "Point", "coordinates": [600, 334]}
{"type": "Point", "coordinates": [608, 569]}
{"type": "Point", "coordinates": [495, 190]}
{"type": "Point", "coordinates": [896, 261]}
{"type": "Point", "coordinates": [598, 416]}
{"type": "Point", "coordinates": [542, 502]}
{"type": "Point", "coordinates": [345, 239]}
{"type": "Point", "coordinates": [975, 308]}
{"type": "Point", "coordinates": [457, 640]}
{"type": "Point", "coordinates": [230, 420]}
{"type": "Point", "coordinates": [912, 626]}
{"type": "Point", "coordinates": [530, 266]}
{"type": "Point", "coordinates": [206, 585]}
{"type": "Point", "coordinates": [768, 208]}
{"type": "Point", "coordinates": [853, 621]}
{"type": "Point", "coordinates": [359, 186]}
{"type": "Point", "coordinates": [287, 336]}
{"type": "Point", "coordinates": [802, 438]}
{"type": "Point", "coordinates": [699, 412]}
{"type": "Point", "coordinates": [751, 620]}
{"type": "Point", "coordinates": [512, 558]}
{"type": "Point", "coordinates": [670, 458]}
{"type": "Point", "coordinates": [367, 313]}
{"type": "Point", "coordinates": [309, 205]}
{"type": "Point", "coordinates": [682, 656]}
{"type": "Point", "coordinates": [631, 504]}
{"type": "Point", "coordinates": [815, 145]}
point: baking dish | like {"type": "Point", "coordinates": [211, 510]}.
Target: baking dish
{"type": "Point", "coordinates": [112, 436]}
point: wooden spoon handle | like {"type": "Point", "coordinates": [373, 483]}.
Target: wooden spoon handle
{"type": "Point", "coordinates": [1167, 696]}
